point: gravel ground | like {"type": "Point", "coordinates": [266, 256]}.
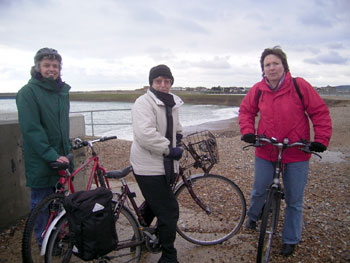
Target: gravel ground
{"type": "Point", "coordinates": [326, 230]}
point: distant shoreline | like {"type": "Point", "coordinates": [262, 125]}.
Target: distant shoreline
{"type": "Point", "coordinates": [221, 125]}
{"type": "Point", "coordinates": [188, 97]}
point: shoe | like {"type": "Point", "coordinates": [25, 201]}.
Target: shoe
{"type": "Point", "coordinates": [250, 224]}
{"type": "Point", "coordinates": [288, 249]}
{"type": "Point", "coordinates": [162, 260]}
{"type": "Point", "coordinates": [165, 259]}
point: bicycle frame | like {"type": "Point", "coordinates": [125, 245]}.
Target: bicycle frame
{"type": "Point", "coordinates": [127, 194]}
{"type": "Point", "coordinates": [278, 167]}
{"type": "Point", "coordinates": [68, 178]}
{"type": "Point", "coordinates": [187, 182]}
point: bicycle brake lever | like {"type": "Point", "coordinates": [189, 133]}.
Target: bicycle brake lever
{"type": "Point", "coordinates": [319, 156]}
{"type": "Point", "coordinates": [247, 146]}
{"type": "Point", "coordinates": [307, 150]}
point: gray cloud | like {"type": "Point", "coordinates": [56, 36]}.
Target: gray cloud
{"type": "Point", "coordinates": [336, 45]}
{"type": "Point", "coordinates": [116, 42]}
{"type": "Point", "coordinates": [331, 57]}
{"type": "Point", "coordinates": [316, 19]}
{"type": "Point", "coordinates": [216, 63]}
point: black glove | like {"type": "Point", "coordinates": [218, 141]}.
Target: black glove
{"type": "Point", "coordinates": [178, 139]}
{"type": "Point", "coordinates": [175, 153]}
{"type": "Point", "coordinates": [249, 138]}
{"type": "Point", "coordinates": [317, 147]}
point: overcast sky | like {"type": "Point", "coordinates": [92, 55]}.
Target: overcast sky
{"type": "Point", "coordinates": [112, 44]}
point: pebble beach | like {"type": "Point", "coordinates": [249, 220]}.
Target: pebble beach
{"type": "Point", "coordinates": [326, 228]}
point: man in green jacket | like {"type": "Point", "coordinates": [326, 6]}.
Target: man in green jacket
{"type": "Point", "coordinates": [43, 114]}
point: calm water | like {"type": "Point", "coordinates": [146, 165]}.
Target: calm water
{"type": "Point", "coordinates": [189, 115]}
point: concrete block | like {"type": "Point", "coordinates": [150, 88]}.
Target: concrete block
{"type": "Point", "coordinates": [14, 195]}
{"type": "Point", "coordinates": [77, 126]}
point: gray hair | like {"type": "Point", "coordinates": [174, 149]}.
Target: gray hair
{"type": "Point", "coordinates": [45, 53]}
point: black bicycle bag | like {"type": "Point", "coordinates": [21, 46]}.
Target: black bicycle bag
{"type": "Point", "coordinates": [91, 223]}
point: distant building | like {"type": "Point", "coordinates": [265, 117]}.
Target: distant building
{"type": "Point", "coordinates": [201, 89]}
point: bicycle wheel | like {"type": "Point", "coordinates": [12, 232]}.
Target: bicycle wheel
{"type": "Point", "coordinates": [226, 204]}
{"type": "Point", "coordinates": [268, 225]}
{"type": "Point", "coordinates": [46, 210]}
{"type": "Point", "coordinates": [59, 248]}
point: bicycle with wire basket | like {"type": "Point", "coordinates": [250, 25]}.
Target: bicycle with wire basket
{"type": "Point", "coordinates": [212, 207]}
{"type": "Point", "coordinates": [275, 193]}
{"type": "Point", "coordinates": [51, 206]}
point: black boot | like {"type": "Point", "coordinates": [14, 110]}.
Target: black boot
{"type": "Point", "coordinates": [250, 224]}
{"type": "Point", "coordinates": [288, 249]}
{"type": "Point", "coordinates": [163, 260]}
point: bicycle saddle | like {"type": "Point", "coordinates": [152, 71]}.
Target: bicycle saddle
{"type": "Point", "coordinates": [117, 174]}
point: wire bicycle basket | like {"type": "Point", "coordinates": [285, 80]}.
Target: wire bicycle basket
{"type": "Point", "coordinates": [201, 151]}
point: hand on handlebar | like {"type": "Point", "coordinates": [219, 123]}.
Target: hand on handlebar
{"type": "Point", "coordinates": [249, 138]}
{"type": "Point", "coordinates": [62, 159]}
{"type": "Point", "coordinates": [317, 147]}
{"type": "Point", "coordinates": [62, 162]}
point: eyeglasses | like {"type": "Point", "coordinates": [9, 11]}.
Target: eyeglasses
{"type": "Point", "coordinates": [167, 82]}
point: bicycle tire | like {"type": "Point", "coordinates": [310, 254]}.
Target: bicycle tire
{"type": "Point", "coordinates": [59, 248]}
{"type": "Point", "coordinates": [268, 225]}
{"type": "Point", "coordinates": [225, 201]}
{"type": "Point", "coordinates": [30, 245]}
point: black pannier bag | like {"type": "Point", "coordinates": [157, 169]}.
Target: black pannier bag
{"type": "Point", "coordinates": [91, 223]}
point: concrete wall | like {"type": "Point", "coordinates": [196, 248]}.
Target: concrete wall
{"type": "Point", "coordinates": [14, 195]}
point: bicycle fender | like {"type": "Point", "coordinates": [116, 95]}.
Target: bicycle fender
{"type": "Point", "coordinates": [49, 230]}
{"type": "Point", "coordinates": [177, 187]}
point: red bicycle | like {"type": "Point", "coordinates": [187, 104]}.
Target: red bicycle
{"type": "Point", "coordinates": [36, 232]}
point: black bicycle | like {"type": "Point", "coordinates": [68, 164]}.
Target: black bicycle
{"type": "Point", "coordinates": [212, 208]}
{"type": "Point", "coordinates": [275, 193]}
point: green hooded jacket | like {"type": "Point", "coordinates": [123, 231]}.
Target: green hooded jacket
{"type": "Point", "coordinates": [43, 114]}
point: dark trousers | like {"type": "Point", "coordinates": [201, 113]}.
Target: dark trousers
{"type": "Point", "coordinates": [161, 202]}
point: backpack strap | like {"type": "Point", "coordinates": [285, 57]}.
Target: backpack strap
{"type": "Point", "coordinates": [297, 89]}
{"type": "Point", "coordinates": [258, 97]}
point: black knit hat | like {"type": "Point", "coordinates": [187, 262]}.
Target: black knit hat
{"type": "Point", "coordinates": [160, 70]}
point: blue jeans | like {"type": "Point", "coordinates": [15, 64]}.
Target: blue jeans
{"type": "Point", "coordinates": [294, 181]}
{"type": "Point", "coordinates": [36, 195]}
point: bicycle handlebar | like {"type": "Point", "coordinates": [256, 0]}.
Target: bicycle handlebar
{"type": "Point", "coordinates": [79, 143]}
{"type": "Point", "coordinates": [284, 145]}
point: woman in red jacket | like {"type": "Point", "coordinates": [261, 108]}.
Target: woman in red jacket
{"type": "Point", "coordinates": [282, 115]}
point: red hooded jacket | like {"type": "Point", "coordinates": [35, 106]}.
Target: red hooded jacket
{"type": "Point", "coordinates": [284, 115]}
